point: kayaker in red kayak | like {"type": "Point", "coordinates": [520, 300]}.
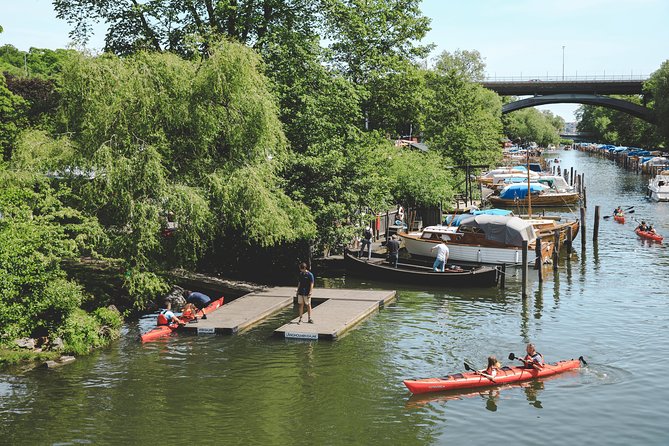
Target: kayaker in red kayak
{"type": "Point", "coordinates": [166, 316]}
{"type": "Point", "coordinates": [533, 359]}
{"type": "Point", "coordinates": [642, 226]}
{"type": "Point", "coordinates": [491, 371]}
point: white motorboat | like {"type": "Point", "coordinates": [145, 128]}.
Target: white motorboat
{"type": "Point", "coordinates": [658, 187]}
{"type": "Point", "coordinates": [491, 239]}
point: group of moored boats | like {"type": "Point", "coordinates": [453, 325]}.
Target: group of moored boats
{"type": "Point", "coordinates": [478, 242]}
{"type": "Point", "coordinates": [526, 186]}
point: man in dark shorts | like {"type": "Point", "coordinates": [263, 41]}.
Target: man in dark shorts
{"type": "Point", "coordinates": [305, 286]}
{"type": "Point", "coordinates": [198, 299]}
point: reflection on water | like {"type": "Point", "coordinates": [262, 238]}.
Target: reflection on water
{"type": "Point", "coordinates": [610, 306]}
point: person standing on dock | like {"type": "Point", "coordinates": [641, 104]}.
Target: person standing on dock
{"type": "Point", "coordinates": [442, 257]}
{"type": "Point", "coordinates": [366, 242]}
{"type": "Point", "coordinates": [198, 299]}
{"type": "Point", "coordinates": [305, 286]}
{"type": "Point", "coordinates": [393, 246]}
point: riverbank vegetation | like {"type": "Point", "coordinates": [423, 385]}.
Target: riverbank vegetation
{"type": "Point", "coordinates": [232, 138]}
{"type": "Point", "coordinates": [614, 127]}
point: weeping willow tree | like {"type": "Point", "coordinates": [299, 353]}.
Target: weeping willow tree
{"type": "Point", "coordinates": [165, 139]}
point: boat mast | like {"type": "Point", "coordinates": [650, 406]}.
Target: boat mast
{"type": "Point", "coordinates": [529, 195]}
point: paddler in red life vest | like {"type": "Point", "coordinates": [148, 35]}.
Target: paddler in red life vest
{"type": "Point", "coordinates": [533, 359]}
{"type": "Point", "coordinates": [166, 316]}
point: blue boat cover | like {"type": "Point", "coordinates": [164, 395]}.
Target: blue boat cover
{"type": "Point", "coordinates": [458, 218]}
{"type": "Point", "coordinates": [519, 191]}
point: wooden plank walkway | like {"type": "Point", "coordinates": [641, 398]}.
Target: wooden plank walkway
{"type": "Point", "coordinates": [341, 311]}
{"type": "Point", "coordinates": [338, 310]}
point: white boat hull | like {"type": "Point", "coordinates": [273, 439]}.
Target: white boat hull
{"type": "Point", "coordinates": [470, 253]}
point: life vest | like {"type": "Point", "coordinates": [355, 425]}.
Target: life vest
{"type": "Point", "coordinates": [162, 320]}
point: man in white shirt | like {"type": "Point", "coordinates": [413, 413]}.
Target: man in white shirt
{"type": "Point", "coordinates": [442, 257]}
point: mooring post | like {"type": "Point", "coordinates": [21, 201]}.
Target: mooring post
{"type": "Point", "coordinates": [538, 264]}
{"type": "Point", "coordinates": [570, 240]}
{"type": "Point", "coordinates": [502, 278]}
{"type": "Point", "coordinates": [571, 176]}
{"type": "Point", "coordinates": [582, 228]}
{"type": "Point", "coordinates": [556, 248]}
{"type": "Point", "coordinates": [585, 198]}
{"type": "Point", "coordinates": [595, 228]}
{"type": "Point", "coordinates": [524, 292]}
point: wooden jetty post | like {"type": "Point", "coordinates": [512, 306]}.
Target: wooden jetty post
{"type": "Point", "coordinates": [538, 263]}
{"type": "Point", "coordinates": [585, 198]}
{"type": "Point", "coordinates": [524, 292]}
{"type": "Point", "coordinates": [502, 278]}
{"type": "Point", "coordinates": [571, 176]}
{"type": "Point", "coordinates": [570, 241]}
{"type": "Point", "coordinates": [583, 228]}
{"type": "Point", "coordinates": [595, 228]}
{"type": "Point", "coordinates": [556, 248]}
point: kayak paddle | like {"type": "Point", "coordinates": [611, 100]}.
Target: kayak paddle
{"type": "Point", "coordinates": [472, 369]}
{"type": "Point", "coordinates": [512, 357]}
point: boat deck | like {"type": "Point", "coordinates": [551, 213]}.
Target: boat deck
{"type": "Point", "coordinates": [336, 311]}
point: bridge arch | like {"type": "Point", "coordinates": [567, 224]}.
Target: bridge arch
{"type": "Point", "coordinates": [590, 99]}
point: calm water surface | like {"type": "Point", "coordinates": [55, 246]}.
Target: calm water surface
{"type": "Point", "coordinates": [609, 304]}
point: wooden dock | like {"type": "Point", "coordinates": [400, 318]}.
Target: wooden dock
{"type": "Point", "coordinates": [336, 312]}
{"type": "Point", "coordinates": [341, 311]}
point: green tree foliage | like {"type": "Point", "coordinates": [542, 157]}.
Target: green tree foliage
{"type": "Point", "coordinates": [36, 232]}
{"type": "Point", "coordinates": [658, 87]}
{"type": "Point", "coordinates": [531, 125]}
{"type": "Point", "coordinates": [12, 119]}
{"type": "Point", "coordinates": [610, 126]}
{"type": "Point", "coordinates": [463, 119]}
{"type": "Point", "coordinates": [200, 140]}
{"type": "Point", "coordinates": [42, 63]}
{"type": "Point", "coordinates": [419, 179]}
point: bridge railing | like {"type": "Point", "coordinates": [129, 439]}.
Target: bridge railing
{"type": "Point", "coordinates": [583, 78]}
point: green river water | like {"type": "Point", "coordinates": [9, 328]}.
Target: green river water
{"type": "Point", "coordinates": [609, 304]}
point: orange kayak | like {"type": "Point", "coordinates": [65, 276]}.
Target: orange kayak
{"type": "Point", "coordinates": [166, 330]}
{"type": "Point", "coordinates": [619, 218]}
{"type": "Point", "coordinates": [505, 375]}
{"type": "Point", "coordinates": [649, 235]}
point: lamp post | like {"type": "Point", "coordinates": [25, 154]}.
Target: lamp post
{"type": "Point", "coordinates": [563, 62]}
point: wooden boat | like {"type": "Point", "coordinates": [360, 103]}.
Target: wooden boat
{"type": "Point", "coordinates": [491, 239]}
{"type": "Point", "coordinates": [516, 195]}
{"type": "Point", "coordinates": [453, 276]}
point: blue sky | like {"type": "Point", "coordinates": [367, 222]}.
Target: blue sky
{"type": "Point", "coordinates": [515, 37]}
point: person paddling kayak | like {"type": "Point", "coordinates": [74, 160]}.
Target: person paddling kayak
{"type": "Point", "coordinates": [533, 359]}
{"type": "Point", "coordinates": [491, 371]}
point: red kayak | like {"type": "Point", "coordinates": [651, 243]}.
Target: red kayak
{"type": "Point", "coordinates": [619, 218]}
{"type": "Point", "coordinates": [166, 330]}
{"type": "Point", "coordinates": [649, 235]}
{"type": "Point", "coordinates": [505, 375]}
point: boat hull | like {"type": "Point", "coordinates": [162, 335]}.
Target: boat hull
{"type": "Point", "coordinates": [619, 218]}
{"type": "Point", "coordinates": [649, 235]}
{"type": "Point", "coordinates": [658, 195]}
{"type": "Point", "coordinates": [505, 375]}
{"type": "Point", "coordinates": [162, 331]}
{"type": "Point", "coordinates": [548, 200]}
{"type": "Point", "coordinates": [470, 253]}
{"type": "Point", "coordinates": [378, 269]}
